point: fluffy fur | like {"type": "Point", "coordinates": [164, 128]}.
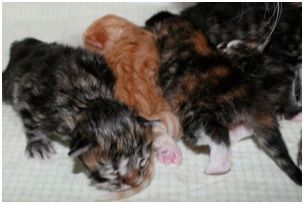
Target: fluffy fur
{"type": "Point", "coordinates": [132, 54]}
{"type": "Point", "coordinates": [68, 92]}
{"type": "Point", "coordinates": [209, 95]}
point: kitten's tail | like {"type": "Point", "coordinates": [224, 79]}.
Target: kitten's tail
{"type": "Point", "coordinates": [128, 193]}
{"type": "Point", "coordinates": [268, 136]}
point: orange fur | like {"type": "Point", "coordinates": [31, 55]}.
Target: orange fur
{"type": "Point", "coordinates": [132, 55]}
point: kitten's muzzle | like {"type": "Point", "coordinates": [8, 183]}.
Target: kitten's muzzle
{"type": "Point", "coordinates": [132, 178]}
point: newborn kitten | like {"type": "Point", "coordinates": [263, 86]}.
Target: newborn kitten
{"type": "Point", "coordinates": [68, 92]}
{"type": "Point", "coordinates": [271, 76]}
{"type": "Point", "coordinates": [132, 55]}
{"type": "Point", "coordinates": [276, 79]}
{"type": "Point", "coordinates": [275, 23]}
{"type": "Point", "coordinates": [209, 95]}
{"type": "Point", "coordinates": [276, 26]}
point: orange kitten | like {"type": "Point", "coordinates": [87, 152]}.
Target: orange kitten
{"type": "Point", "coordinates": [133, 57]}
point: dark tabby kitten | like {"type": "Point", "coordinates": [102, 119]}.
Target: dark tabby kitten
{"type": "Point", "coordinates": [209, 95]}
{"type": "Point", "coordinates": [277, 26]}
{"type": "Point", "coordinates": [69, 92]}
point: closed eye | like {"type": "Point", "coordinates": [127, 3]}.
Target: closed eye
{"type": "Point", "coordinates": [95, 175]}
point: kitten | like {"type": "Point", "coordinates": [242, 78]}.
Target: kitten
{"type": "Point", "coordinates": [277, 26]}
{"type": "Point", "coordinates": [133, 57]}
{"type": "Point", "coordinates": [278, 23]}
{"type": "Point", "coordinates": [209, 95]}
{"type": "Point", "coordinates": [68, 92]}
{"type": "Point", "coordinates": [272, 75]}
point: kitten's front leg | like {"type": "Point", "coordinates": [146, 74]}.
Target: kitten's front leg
{"type": "Point", "coordinates": [167, 151]}
{"type": "Point", "coordinates": [38, 144]}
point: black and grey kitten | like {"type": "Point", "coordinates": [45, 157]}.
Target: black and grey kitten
{"type": "Point", "coordinates": [209, 95]}
{"type": "Point", "coordinates": [68, 92]}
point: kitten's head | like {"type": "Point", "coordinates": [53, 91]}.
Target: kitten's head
{"type": "Point", "coordinates": [165, 22]}
{"type": "Point", "coordinates": [104, 33]}
{"type": "Point", "coordinates": [115, 146]}
{"type": "Point", "coordinates": [155, 22]}
{"type": "Point", "coordinates": [171, 27]}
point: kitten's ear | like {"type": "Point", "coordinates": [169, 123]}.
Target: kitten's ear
{"type": "Point", "coordinates": [145, 121]}
{"type": "Point", "coordinates": [91, 40]}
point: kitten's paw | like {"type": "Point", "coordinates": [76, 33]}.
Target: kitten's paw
{"type": "Point", "coordinates": [167, 151]}
{"type": "Point", "coordinates": [40, 148]}
{"type": "Point", "coordinates": [170, 155]}
{"type": "Point", "coordinates": [218, 167]}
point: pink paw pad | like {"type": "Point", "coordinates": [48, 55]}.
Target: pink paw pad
{"type": "Point", "coordinates": [169, 154]}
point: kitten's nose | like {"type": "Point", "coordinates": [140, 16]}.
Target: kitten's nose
{"type": "Point", "coordinates": [132, 178]}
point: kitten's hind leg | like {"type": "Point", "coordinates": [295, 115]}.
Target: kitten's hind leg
{"type": "Point", "coordinates": [38, 144]}
{"type": "Point", "coordinates": [238, 132]}
{"type": "Point", "coordinates": [219, 159]}
{"type": "Point", "coordinates": [206, 131]}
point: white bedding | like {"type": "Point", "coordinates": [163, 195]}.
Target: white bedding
{"type": "Point", "coordinates": [253, 177]}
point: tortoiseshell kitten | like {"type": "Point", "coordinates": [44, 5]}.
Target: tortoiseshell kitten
{"type": "Point", "coordinates": [209, 95]}
{"type": "Point", "coordinates": [133, 57]}
{"type": "Point", "coordinates": [276, 26]}
{"type": "Point", "coordinates": [272, 76]}
{"type": "Point", "coordinates": [68, 92]}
